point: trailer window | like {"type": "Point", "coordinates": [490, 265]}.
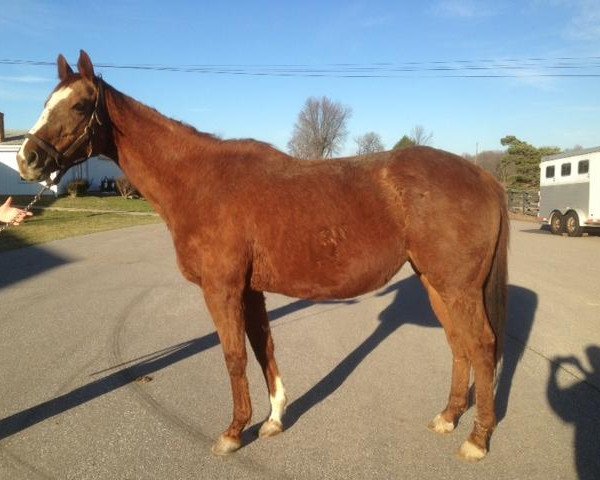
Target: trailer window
{"type": "Point", "coordinates": [565, 170]}
{"type": "Point", "coordinates": [583, 167]}
{"type": "Point", "coordinates": [550, 172]}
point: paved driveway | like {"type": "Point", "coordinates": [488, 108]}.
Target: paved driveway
{"type": "Point", "coordinates": [111, 369]}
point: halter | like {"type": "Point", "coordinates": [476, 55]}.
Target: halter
{"type": "Point", "coordinates": [60, 158]}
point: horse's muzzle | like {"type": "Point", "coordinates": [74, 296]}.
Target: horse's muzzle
{"type": "Point", "coordinates": [32, 164]}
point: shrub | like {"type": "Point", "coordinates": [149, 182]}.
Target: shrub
{"type": "Point", "coordinates": [127, 189]}
{"type": "Point", "coordinates": [78, 187]}
{"type": "Point", "coordinates": [108, 184]}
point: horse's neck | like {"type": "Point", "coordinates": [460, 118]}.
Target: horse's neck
{"type": "Point", "coordinates": [159, 155]}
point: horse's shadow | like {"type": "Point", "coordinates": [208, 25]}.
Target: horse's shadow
{"type": "Point", "coordinates": [410, 305]}
{"type": "Point", "coordinates": [124, 374]}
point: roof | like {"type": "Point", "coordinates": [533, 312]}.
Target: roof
{"type": "Point", "coordinates": [572, 153]}
{"type": "Point", "coordinates": [14, 137]}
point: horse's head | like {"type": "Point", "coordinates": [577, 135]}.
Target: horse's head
{"type": "Point", "coordinates": [72, 126]}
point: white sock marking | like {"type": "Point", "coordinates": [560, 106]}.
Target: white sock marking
{"type": "Point", "coordinates": [440, 425]}
{"type": "Point", "coordinates": [278, 401]}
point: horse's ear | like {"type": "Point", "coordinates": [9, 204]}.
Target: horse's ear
{"type": "Point", "coordinates": [64, 69]}
{"type": "Point", "coordinates": [86, 69]}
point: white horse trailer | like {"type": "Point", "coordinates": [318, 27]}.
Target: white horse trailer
{"type": "Point", "coordinates": [570, 191]}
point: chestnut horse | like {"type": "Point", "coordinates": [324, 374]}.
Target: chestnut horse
{"type": "Point", "coordinates": [246, 218]}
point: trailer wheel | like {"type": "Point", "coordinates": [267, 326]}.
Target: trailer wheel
{"type": "Point", "coordinates": [557, 224]}
{"type": "Point", "coordinates": [572, 226]}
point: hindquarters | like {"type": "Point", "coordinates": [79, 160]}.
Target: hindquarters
{"type": "Point", "coordinates": [457, 238]}
{"type": "Point", "coordinates": [453, 213]}
{"type": "Point", "coordinates": [457, 234]}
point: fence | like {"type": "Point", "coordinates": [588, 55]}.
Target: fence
{"type": "Point", "coordinates": [525, 202]}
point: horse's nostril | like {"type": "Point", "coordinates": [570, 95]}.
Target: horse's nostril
{"type": "Point", "coordinates": [32, 157]}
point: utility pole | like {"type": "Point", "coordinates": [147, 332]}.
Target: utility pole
{"type": "Point", "coordinates": [2, 135]}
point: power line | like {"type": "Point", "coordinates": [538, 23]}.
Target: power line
{"type": "Point", "coordinates": [559, 67]}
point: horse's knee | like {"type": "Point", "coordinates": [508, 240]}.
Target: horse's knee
{"type": "Point", "coordinates": [236, 364]}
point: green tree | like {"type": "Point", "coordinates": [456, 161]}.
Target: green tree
{"type": "Point", "coordinates": [404, 142]}
{"type": "Point", "coordinates": [520, 166]}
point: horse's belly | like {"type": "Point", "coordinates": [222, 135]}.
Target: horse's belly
{"type": "Point", "coordinates": [329, 268]}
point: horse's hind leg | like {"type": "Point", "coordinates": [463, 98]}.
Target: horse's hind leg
{"type": "Point", "coordinates": [481, 348]}
{"type": "Point", "coordinates": [446, 421]}
{"type": "Point", "coordinates": [259, 333]}
{"type": "Point", "coordinates": [470, 334]}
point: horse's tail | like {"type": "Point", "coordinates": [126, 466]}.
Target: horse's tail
{"type": "Point", "coordinates": [496, 289]}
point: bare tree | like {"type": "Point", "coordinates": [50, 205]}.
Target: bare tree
{"type": "Point", "coordinates": [489, 160]}
{"type": "Point", "coordinates": [320, 130]}
{"type": "Point", "coordinates": [505, 172]}
{"type": "Point", "coordinates": [369, 143]}
{"type": "Point", "coordinates": [420, 136]}
{"type": "Point", "coordinates": [576, 148]}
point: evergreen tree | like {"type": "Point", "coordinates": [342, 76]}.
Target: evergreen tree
{"type": "Point", "coordinates": [404, 142]}
{"type": "Point", "coordinates": [520, 166]}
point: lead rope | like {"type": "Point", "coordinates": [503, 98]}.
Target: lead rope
{"type": "Point", "coordinates": [28, 207]}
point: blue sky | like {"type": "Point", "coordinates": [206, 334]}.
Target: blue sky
{"type": "Point", "coordinates": [461, 112]}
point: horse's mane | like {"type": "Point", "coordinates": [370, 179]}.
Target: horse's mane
{"type": "Point", "coordinates": [239, 145]}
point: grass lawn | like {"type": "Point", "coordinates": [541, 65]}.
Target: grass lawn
{"type": "Point", "coordinates": [47, 225]}
{"type": "Point", "coordinates": [92, 202]}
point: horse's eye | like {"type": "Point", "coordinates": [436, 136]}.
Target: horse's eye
{"type": "Point", "coordinates": [79, 107]}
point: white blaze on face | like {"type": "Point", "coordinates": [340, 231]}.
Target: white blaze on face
{"type": "Point", "coordinates": [278, 401]}
{"type": "Point", "coordinates": [56, 98]}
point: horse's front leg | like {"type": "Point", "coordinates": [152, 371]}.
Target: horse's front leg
{"type": "Point", "coordinates": [225, 305]}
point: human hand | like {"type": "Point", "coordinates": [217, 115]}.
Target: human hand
{"type": "Point", "coordinates": [12, 215]}
{"type": "Point", "coordinates": [569, 360]}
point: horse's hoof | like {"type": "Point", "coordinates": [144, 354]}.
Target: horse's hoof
{"type": "Point", "coordinates": [225, 445]}
{"type": "Point", "coordinates": [439, 425]}
{"type": "Point", "coordinates": [470, 452]}
{"type": "Point", "coordinates": [270, 428]}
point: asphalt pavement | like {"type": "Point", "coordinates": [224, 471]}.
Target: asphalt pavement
{"type": "Point", "coordinates": [110, 369]}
